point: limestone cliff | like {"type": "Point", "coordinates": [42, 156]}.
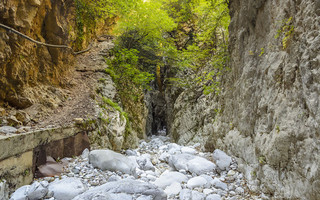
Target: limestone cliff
{"type": "Point", "coordinates": [268, 112]}
{"type": "Point", "coordinates": [25, 65]}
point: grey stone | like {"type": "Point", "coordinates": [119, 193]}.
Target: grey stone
{"type": "Point", "coordinates": [218, 184]}
{"type": "Point", "coordinates": [196, 182]}
{"type": "Point", "coordinates": [37, 191]}
{"type": "Point", "coordinates": [110, 160]}
{"type": "Point", "coordinates": [173, 189]}
{"type": "Point", "coordinates": [145, 163]}
{"type": "Point", "coordinates": [191, 163]}
{"type": "Point", "coordinates": [8, 129]}
{"type": "Point", "coordinates": [143, 197]}
{"type": "Point", "coordinates": [213, 197]}
{"type": "Point", "coordinates": [197, 195]}
{"type": "Point", "coordinates": [127, 186]}
{"type": "Point", "coordinates": [66, 189]}
{"type": "Point", "coordinates": [222, 160]}
{"type": "Point", "coordinates": [85, 154]}
{"type": "Point", "coordinates": [239, 190]}
{"type": "Point", "coordinates": [20, 193]}
{"type": "Point", "coordinates": [167, 178]}
{"type": "Point", "coordinates": [185, 194]}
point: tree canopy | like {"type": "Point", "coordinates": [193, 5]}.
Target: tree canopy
{"type": "Point", "coordinates": [190, 36]}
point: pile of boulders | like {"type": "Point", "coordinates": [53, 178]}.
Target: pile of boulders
{"type": "Point", "coordinates": [158, 169]}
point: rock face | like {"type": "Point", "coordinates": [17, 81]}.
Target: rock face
{"type": "Point", "coordinates": [24, 64]}
{"type": "Point", "coordinates": [268, 113]}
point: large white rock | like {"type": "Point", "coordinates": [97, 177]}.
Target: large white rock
{"type": "Point", "coordinates": [66, 189]}
{"type": "Point", "coordinates": [191, 163]}
{"type": "Point", "coordinates": [112, 161]}
{"type": "Point", "coordinates": [164, 157]}
{"type": "Point", "coordinates": [21, 193]}
{"type": "Point", "coordinates": [167, 178]}
{"type": "Point", "coordinates": [196, 182]}
{"type": "Point", "coordinates": [188, 150]}
{"type": "Point", "coordinates": [209, 180]}
{"type": "Point", "coordinates": [185, 194]}
{"type": "Point", "coordinates": [223, 161]}
{"type": "Point", "coordinates": [174, 148]}
{"type": "Point", "coordinates": [144, 162]}
{"type": "Point", "coordinates": [213, 197]}
{"type": "Point", "coordinates": [126, 186]}
{"type": "Point", "coordinates": [143, 197]}
{"type": "Point", "coordinates": [197, 195]}
{"type": "Point", "coordinates": [173, 189]}
{"type": "Point", "coordinates": [36, 191]}
{"type": "Point", "coordinates": [219, 184]}
{"type": "Point", "coordinates": [112, 196]}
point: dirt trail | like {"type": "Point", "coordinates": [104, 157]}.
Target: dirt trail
{"type": "Point", "coordinates": [80, 103]}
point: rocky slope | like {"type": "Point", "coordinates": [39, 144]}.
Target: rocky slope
{"type": "Point", "coordinates": [268, 112]}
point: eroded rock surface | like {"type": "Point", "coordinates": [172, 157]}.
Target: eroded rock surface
{"type": "Point", "coordinates": [267, 114]}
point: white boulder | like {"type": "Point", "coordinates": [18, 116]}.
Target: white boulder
{"type": "Point", "coordinates": [219, 184]}
{"type": "Point", "coordinates": [112, 161]}
{"type": "Point", "coordinates": [196, 182]}
{"type": "Point", "coordinates": [21, 193]}
{"type": "Point", "coordinates": [223, 161]}
{"type": "Point", "coordinates": [167, 178]}
{"type": "Point", "coordinates": [185, 194]}
{"type": "Point", "coordinates": [191, 163]}
{"type": "Point", "coordinates": [66, 189]}
{"type": "Point", "coordinates": [188, 150]}
{"type": "Point", "coordinates": [173, 189]}
{"type": "Point", "coordinates": [213, 197]}
{"type": "Point", "coordinates": [145, 163]}
{"type": "Point", "coordinates": [197, 195]}
{"type": "Point", "coordinates": [125, 186]}
{"type": "Point", "coordinates": [37, 191]}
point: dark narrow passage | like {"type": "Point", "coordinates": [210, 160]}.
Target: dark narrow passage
{"type": "Point", "coordinates": [156, 103]}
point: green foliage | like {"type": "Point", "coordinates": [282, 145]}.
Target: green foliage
{"type": "Point", "coordinates": [278, 129]}
{"type": "Point", "coordinates": [204, 55]}
{"type": "Point", "coordinates": [262, 52]}
{"type": "Point", "coordinates": [143, 30]}
{"type": "Point", "coordinates": [125, 72]}
{"type": "Point", "coordinates": [285, 31]}
{"type": "Point", "coordinates": [116, 107]}
{"type": "Point", "coordinates": [88, 12]}
{"type": "Point", "coordinates": [262, 160]}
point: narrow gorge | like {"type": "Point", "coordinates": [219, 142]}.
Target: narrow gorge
{"type": "Point", "coordinates": [165, 99]}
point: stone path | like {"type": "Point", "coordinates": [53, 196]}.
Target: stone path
{"type": "Point", "coordinates": [158, 169]}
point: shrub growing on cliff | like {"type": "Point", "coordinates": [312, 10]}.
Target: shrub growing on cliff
{"type": "Point", "coordinates": [203, 58]}
{"type": "Point", "coordinates": [88, 12]}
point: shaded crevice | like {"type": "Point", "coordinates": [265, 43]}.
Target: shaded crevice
{"type": "Point", "coordinates": [156, 103]}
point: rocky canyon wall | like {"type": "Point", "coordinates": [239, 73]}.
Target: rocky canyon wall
{"type": "Point", "coordinates": [25, 65]}
{"type": "Point", "coordinates": [30, 72]}
{"type": "Point", "coordinates": [268, 112]}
